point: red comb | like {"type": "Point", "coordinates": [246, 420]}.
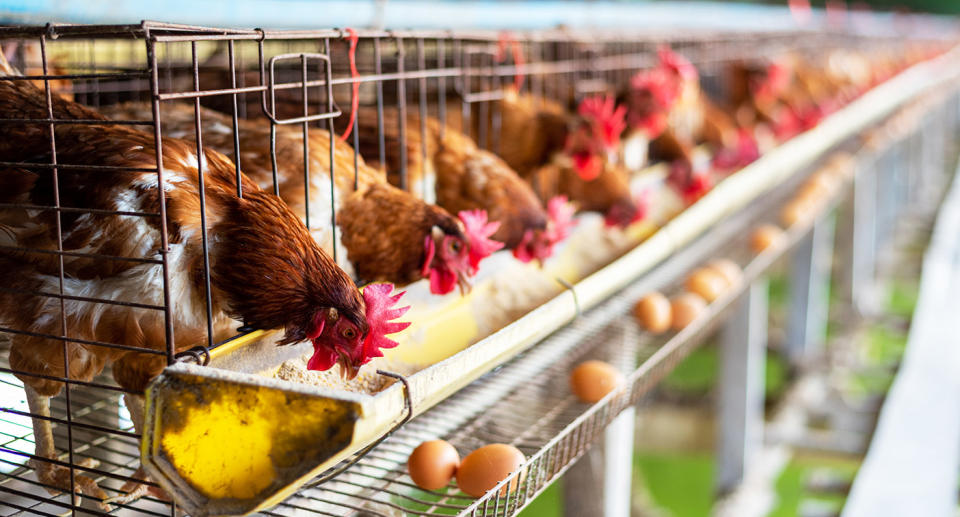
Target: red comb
{"type": "Point", "coordinates": [506, 39]}
{"type": "Point", "coordinates": [380, 313]}
{"type": "Point", "coordinates": [605, 117]}
{"type": "Point", "coordinates": [664, 91]}
{"type": "Point", "coordinates": [478, 232]}
{"type": "Point", "coordinates": [661, 86]}
{"type": "Point", "coordinates": [677, 63]}
{"type": "Point", "coordinates": [560, 213]}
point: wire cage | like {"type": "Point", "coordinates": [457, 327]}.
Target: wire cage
{"type": "Point", "coordinates": [200, 85]}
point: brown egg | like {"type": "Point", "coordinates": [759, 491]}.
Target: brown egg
{"type": "Point", "coordinates": [795, 211]}
{"type": "Point", "coordinates": [653, 313]}
{"type": "Point", "coordinates": [842, 164]}
{"type": "Point", "coordinates": [686, 307]}
{"type": "Point", "coordinates": [432, 464]}
{"type": "Point", "coordinates": [765, 236]}
{"type": "Point", "coordinates": [590, 381]}
{"type": "Point", "coordinates": [728, 269]}
{"type": "Point", "coordinates": [483, 468]}
{"type": "Point", "coordinates": [825, 180]}
{"type": "Point", "coordinates": [707, 283]}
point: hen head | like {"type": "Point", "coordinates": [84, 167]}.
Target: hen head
{"type": "Point", "coordinates": [691, 183]}
{"type": "Point", "coordinates": [538, 244]}
{"type": "Point", "coordinates": [451, 257]}
{"type": "Point", "coordinates": [677, 64]}
{"type": "Point", "coordinates": [446, 263]}
{"type": "Point", "coordinates": [274, 275]}
{"type": "Point", "coordinates": [652, 95]}
{"type": "Point", "coordinates": [339, 340]}
{"type": "Point", "coordinates": [626, 211]}
{"type": "Point", "coordinates": [772, 82]}
{"type": "Point", "coordinates": [597, 134]}
{"type": "Point", "coordinates": [744, 152]}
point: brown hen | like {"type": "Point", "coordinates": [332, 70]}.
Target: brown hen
{"type": "Point", "coordinates": [265, 269]}
{"type": "Point", "coordinates": [382, 232]}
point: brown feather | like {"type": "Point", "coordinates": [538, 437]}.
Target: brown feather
{"type": "Point", "coordinates": [466, 177]}
{"type": "Point", "coordinates": [266, 269]}
{"type": "Point", "coordinates": [382, 228]}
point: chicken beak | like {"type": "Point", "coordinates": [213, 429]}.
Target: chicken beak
{"type": "Point", "coordinates": [463, 282]}
{"type": "Point", "coordinates": [348, 370]}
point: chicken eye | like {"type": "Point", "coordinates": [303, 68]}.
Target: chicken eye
{"type": "Point", "coordinates": [349, 333]}
{"type": "Point", "coordinates": [456, 246]}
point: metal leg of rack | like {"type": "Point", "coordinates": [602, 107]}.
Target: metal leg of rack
{"type": "Point", "coordinates": [740, 402]}
{"type": "Point", "coordinates": [600, 482]}
{"type": "Point", "coordinates": [618, 447]}
{"type": "Point", "coordinates": [810, 267]}
{"type": "Point", "coordinates": [864, 237]}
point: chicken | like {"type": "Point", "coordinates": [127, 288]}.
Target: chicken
{"type": "Point", "coordinates": [532, 130]}
{"type": "Point", "coordinates": [447, 167]}
{"type": "Point", "coordinates": [608, 193]}
{"type": "Point", "coordinates": [669, 115]}
{"type": "Point", "coordinates": [382, 232]}
{"type": "Point", "coordinates": [118, 269]}
{"type": "Point", "coordinates": [767, 95]}
{"type": "Point", "coordinates": [565, 154]}
{"type": "Point", "coordinates": [29, 53]}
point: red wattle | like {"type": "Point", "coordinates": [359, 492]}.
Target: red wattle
{"type": "Point", "coordinates": [442, 281]}
{"type": "Point", "coordinates": [323, 358]}
{"type": "Point", "coordinates": [587, 166]}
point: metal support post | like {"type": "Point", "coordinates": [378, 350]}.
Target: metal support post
{"type": "Point", "coordinates": [862, 265]}
{"type": "Point", "coordinates": [600, 482]}
{"type": "Point", "coordinates": [740, 402]}
{"type": "Point", "coordinates": [810, 267]}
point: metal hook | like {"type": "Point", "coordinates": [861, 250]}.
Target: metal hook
{"type": "Point", "coordinates": [359, 455]}
{"type": "Point", "coordinates": [200, 355]}
{"type": "Point", "coordinates": [570, 287]}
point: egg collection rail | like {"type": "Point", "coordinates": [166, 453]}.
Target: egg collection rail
{"type": "Point", "coordinates": [525, 402]}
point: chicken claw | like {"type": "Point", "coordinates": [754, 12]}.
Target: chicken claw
{"type": "Point", "coordinates": [56, 478]}
{"type": "Point", "coordinates": [136, 488]}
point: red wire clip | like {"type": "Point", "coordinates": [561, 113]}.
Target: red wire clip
{"type": "Point", "coordinates": [507, 39]}
{"type": "Point", "coordinates": [355, 94]}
